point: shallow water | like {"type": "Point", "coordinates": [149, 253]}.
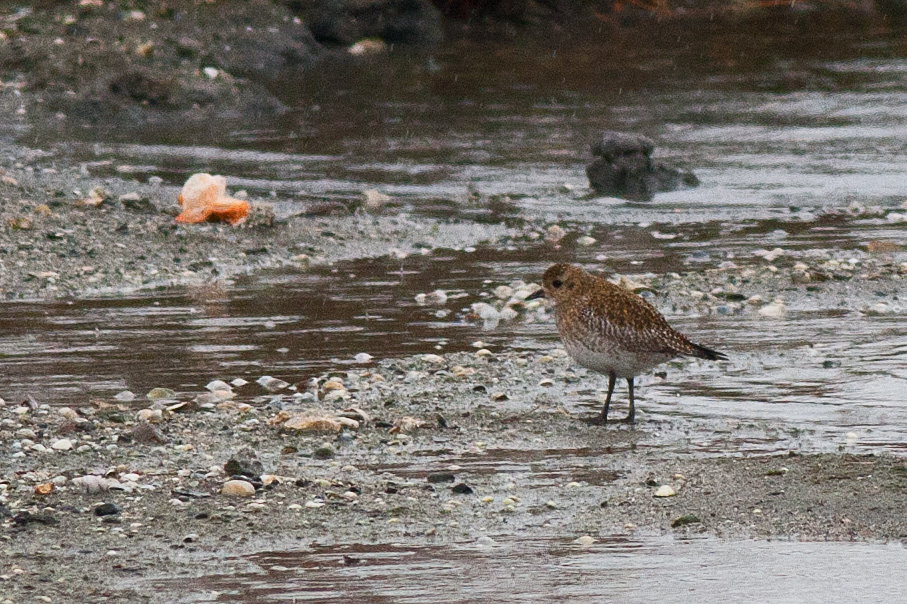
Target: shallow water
{"type": "Point", "coordinates": [616, 569]}
{"type": "Point", "coordinates": [778, 130]}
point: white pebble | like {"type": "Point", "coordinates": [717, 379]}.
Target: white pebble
{"type": "Point", "coordinates": [64, 444]}
{"type": "Point", "coordinates": [665, 491]}
{"type": "Point", "coordinates": [216, 385]}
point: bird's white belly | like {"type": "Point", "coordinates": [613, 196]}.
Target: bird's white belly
{"type": "Point", "coordinates": [611, 358]}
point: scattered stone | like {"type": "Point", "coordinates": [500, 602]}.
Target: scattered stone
{"type": "Point", "coordinates": [238, 488]}
{"type": "Point", "coordinates": [665, 491]}
{"type": "Point", "coordinates": [92, 484]}
{"type": "Point", "coordinates": [323, 452]}
{"type": "Point", "coordinates": [271, 384]}
{"type": "Point", "coordinates": [407, 424]}
{"type": "Point", "coordinates": [125, 396]}
{"type": "Point", "coordinates": [461, 489]}
{"type": "Point", "coordinates": [158, 394]}
{"type": "Point", "coordinates": [372, 199]}
{"type": "Point", "coordinates": [585, 540]}
{"type": "Point", "coordinates": [685, 520]}
{"type": "Point", "coordinates": [64, 444]}
{"type": "Point", "coordinates": [554, 234]}
{"type": "Point", "coordinates": [370, 46]}
{"type": "Point", "coordinates": [436, 477]}
{"type": "Point", "coordinates": [216, 385]}
{"type": "Point", "coordinates": [26, 517]}
{"type": "Point", "coordinates": [106, 509]}
{"type": "Point", "coordinates": [357, 414]}
{"type": "Point", "coordinates": [251, 468]}
{"type": "Point", "coordinates": [44, 489]}
{"type": "Point", "coordinates": [774, 310]}
{"type": "Point", "coordinates": [313, 423]}
{"type": "Point", "coordinates": [363, 357]}
{"type": "Point", "coordinates": [146, 434]}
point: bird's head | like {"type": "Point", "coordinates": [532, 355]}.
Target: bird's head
{"type": "Point", "coordinates": [560, 281]}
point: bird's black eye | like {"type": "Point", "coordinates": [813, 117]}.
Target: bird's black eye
{"type": "Point", "coordinates": [557, 283]}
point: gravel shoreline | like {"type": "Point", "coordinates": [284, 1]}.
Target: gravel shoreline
{"type": "Point", "coordinates": [419, 464]}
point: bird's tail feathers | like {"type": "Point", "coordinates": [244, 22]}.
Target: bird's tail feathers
{"type": "Point", "coordinates": [707, 353]}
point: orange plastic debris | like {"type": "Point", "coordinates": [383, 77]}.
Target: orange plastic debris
{"type": "Point", "coordinates": [204, 197]}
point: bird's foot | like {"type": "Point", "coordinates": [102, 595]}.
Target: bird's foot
{"type": "Point", "coordinates": [598, 420]}
{"type": "Point", "coordinates": [630, 419]}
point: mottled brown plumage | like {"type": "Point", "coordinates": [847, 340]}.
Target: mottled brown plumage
{"type": "Point", "coordinates": [611, 330]}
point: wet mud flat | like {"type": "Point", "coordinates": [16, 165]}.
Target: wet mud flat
{"type": "Point", "coordinates": [461, 450]}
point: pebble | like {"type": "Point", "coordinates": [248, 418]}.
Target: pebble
{"type": "Point", "coordinates": [271, 384]}
{"type": "Point", "coordinates": [485, 311]}
{"type": "Point", "coordinates": [157, 394]}
{"type": "Point", "coordinates": [239, 382]}
{"type": "Point", "coordinates": [665, 491]}
{"type": "Point", "coordinates": [433, 358]}
{"type": "Point", "coordinates": [502, 292]}
{"type": "Point", "coordinates": [363, 357]}
{"type": "Point", "coordinates": [150, 415]}
{"type": "Point", "coordinates": [586, 241]}
{"type": "Point", "coordinates": [106, 509]}
{"type": "Point", "coordinates": [325, 451]}
{"type": "Point", "coordinates": [585, 540]}
{"type": "Point", "coordinates": [774, 310]}
{"type": "Point", "coordinates": [312, 423]}
{"type": "Point", "coordinates": [68, 413]}
{"type": "Point", "coordinates": [554, 234]}
{"type": "Point", "coordinates": [238, 488]}
{"type": "Point", "coordinates": [216, 385]}
{"type": "Point", "coordinates": [374, 199]}
{"type": "Point", "coordinates": [91, 484]}
{"type": "Point", "coordinates": [64, 444]}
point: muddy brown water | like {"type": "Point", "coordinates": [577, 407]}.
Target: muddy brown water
{"type": "Point", "coordinates": [615, 569]}
{"type": "Point", "coordinates": [777, 128]}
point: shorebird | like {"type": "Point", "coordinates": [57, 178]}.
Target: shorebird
{"type": "Point", "coordinates": [612, 330]}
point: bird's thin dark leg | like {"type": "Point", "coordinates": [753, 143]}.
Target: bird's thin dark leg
{"type": "Point", "coordinates": [603, 418]}
{"type": "Point", "coordinates": [631, 417]}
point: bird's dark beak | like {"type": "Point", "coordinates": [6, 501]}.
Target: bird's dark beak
{"type": "Point", "coordinates": [539, 293]}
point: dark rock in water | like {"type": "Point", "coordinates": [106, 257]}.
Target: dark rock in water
{"type": "Point", "coordinates": [613, 145]}
{"type": "Point", "coordinates": [461, 489]}
{"type": "Point", "coordinates": [106, 509]}
{"type": "Point", "coordinates": [624, 168]}
{"type": "Point", "coordinates": [394, 21]}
